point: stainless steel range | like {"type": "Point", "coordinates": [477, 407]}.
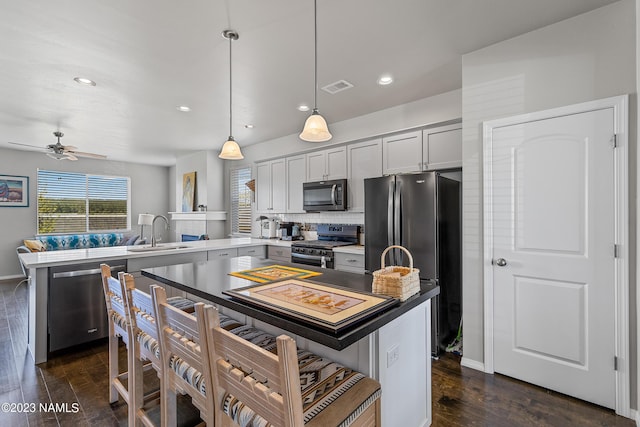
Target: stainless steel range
{"type": "Point", "coordinates": [320, 252]}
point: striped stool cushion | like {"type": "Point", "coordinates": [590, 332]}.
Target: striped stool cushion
{"type": "Point", "coordinates": [119, 320]}
{"type": "Point", "coordinates": [180, 303]}
{"type": "Point", "coordinates": [186, 371]}
{"type": "Point", "coordinates": [150, 343]}
{"type": "Point", "coordinates": [322, 382]}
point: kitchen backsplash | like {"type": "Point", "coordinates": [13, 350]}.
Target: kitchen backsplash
{"type": "Point", "coordinates": [311, 219]}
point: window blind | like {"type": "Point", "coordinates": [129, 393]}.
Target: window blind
{"type": "Point", "coordinates": [71, 202]}
{"type": "Point", "coordinates": [240, 201]}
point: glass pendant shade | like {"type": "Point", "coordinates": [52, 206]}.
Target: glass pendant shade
{"type": "Point", "coordinates": [315, 128]}
{"type": "Point", "coordinates": [231, 150]}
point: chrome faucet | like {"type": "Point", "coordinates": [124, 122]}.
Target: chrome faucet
{"type": "Point", "coordinates": [153, 234]}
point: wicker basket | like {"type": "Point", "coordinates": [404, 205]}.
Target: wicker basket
{"type": "Point", "coordinates": [251, 184]}
{"type": "Point", "coordinates": [398, 282]}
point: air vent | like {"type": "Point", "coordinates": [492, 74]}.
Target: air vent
{"type": "Point", "coordinates": [336, 87]}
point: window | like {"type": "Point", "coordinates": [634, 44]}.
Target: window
{"type": "Point", "coordinates": [71, 202]}
{"type": "Point", "coordinates": [240, 201]}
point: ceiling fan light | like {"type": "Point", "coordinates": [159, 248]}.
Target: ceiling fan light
{"type": "Point", "coordinates": [231, 150]}
{"type": "Point", "coordinates": [56, 156]}
{"type": "Point", "coordinates": [315, 128]}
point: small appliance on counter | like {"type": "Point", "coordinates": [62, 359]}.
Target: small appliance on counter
{"type": "Point", "coordinates": [289, 231]}
{"type": "Point", "coordinates": [268, 227]}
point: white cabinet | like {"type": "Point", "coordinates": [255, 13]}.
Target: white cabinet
{"type": "Point", "coordinates": [259, 251]}
{"type": "Point", "coordinates": [327, 164]}
{"type": "Point", "coordinates": [296, 175]}
{"type": "Point", "coordinates": [271, 186]}
{"type": "Point", "coordinates": [429, 149]}
{"type": "Point", "coordinates": [442, 147]}
{"type": "Point", "coordinates": [364, 160]}
{"type": "Point", "coordinates": [222, 253]}
{"type": "Point", "coordinates": [353, 263]}
{"type": "Point", "coordinates": [279, 253]}
{"type": "Point", "coordinates": [402, 153]}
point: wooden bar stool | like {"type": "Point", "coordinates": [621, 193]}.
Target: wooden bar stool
{"type": "Point", "coordinates": [118, 328]}
{"type": "Point", "coordinates": [139, 333]}
{"type": "Point", "coordinates": [291, 388]}
{"type": "Point", "coordinates": [181, 357]}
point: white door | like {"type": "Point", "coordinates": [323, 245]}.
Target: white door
{"type": "Point", "coordinates": [553, 225]}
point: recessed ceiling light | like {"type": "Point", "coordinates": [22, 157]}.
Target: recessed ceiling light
{"type": "Point", "coordinates": [84, 81]}
{"type": "Point", "coordinates": [385, 80]}
{"type": "Point", "coordinates": [303, 107]}
{"type": "Point", "coordinates": [183, 108]}
{"type": "Point", "coordinates": [249, 126]}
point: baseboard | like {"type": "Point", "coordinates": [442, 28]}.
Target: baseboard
{"type": "Point", "coordinates": [473, 364]}
{"type": "Point", "coordinates": [14, 277]}
{"type": "Point", "coordinates": [635, 414]}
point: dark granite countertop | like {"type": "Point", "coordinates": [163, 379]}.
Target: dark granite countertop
{"type": "Point", "coordinates": [209, 279]}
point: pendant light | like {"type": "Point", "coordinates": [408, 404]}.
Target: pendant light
{"type": "Point", "coordinates": [230, 149]}
{"type": "Point", "coordinates": [315, 128]}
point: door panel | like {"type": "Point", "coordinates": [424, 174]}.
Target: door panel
{"type": "Point", "coordinates": [417, 197]}
{"type": "Point", "coordinates": [555, 307]}
{"type": "Point", "coordinates": [378, 217]}
{"type": "Point", "coordinates": [554, 226]}
{"type": "Point", "coordinates": [562, 228]}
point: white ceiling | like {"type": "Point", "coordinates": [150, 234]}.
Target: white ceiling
{"type": "Point", "coordinates": [148, 56]}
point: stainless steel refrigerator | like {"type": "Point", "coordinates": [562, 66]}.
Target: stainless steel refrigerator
{"type": "Point", "coordinates": [421, 212]}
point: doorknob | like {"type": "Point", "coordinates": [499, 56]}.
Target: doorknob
{"type": "Point", "coordinates": [500, 262]}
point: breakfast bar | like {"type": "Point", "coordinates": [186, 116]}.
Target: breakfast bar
{"type": "Point", "coordinates": [392, 346]}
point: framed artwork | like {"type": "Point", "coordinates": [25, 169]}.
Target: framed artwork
{"type": "Point", "coordinates": [332, 308]}
{"type": "Point", "coordinates": [188, 192]}
{"type": "Point", "coordinates": [271, 273]}
{"type": "Point", "coordinates": [14, 191]}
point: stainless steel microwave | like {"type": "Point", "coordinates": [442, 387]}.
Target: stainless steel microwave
{"type": "Point", "coordinates": [325, 195]}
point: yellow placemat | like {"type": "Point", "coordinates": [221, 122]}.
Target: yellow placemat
{"type": "Point", "coordinates": [272, 273]}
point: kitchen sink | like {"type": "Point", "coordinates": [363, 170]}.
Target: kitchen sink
{"type": "Point", "coordinates": [148, 248]}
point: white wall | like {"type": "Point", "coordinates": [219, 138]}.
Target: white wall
{"type": "Point", "coordinates": [587, 57]}
{"type": "Point", "coordinates": [148, 194]}
{"type": "Point", "coordinates": [210, 191]}
{"type": "Point", "coordinates": [435, 109]}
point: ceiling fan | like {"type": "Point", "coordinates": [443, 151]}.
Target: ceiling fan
{"type": "Point", "coordinates": [63, 152]}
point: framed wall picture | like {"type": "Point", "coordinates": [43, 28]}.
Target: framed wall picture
{"type": "Point", "coordinates": [188, 192]}
{"type": "Point", "coordinates": [14, 191]}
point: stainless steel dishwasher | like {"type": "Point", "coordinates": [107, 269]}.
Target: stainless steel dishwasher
{"type": "Point", "coordinates": [77, 313]}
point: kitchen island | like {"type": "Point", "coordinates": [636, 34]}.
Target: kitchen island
{"type": "Point", "coordinates": [392, 346]}
{"type": "Point", "coordinates": [76, 264]}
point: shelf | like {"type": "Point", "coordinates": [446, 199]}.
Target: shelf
{"type": "Point", "coordinates": [199, 216]}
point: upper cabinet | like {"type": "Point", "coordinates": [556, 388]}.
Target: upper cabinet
{"type": "Point", "coordinates": [364, 160]}
{"type": "Point", "coordinates": [442, 147]}
{"type": "Point", "coordinates": [402, 153]}
{"type": "Point", "coordinates": [279, 182]}
{"type": "Point", "coordinates": [296, 175]}
{"type": "Point", "coordinates": [327, 164]}
{"type": "Point", "coordinates": [271, 182]}
{"type": "Point", "coordinates": [429, 149]}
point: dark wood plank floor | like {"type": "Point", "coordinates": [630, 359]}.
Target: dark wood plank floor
{"type": "Point", "coordinates": [461, 396]}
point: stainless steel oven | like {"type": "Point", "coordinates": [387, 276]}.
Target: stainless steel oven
{"type": "Point", "coordinates": [319, 252]}
{"type": "Point", "coordinates": [325, 195]}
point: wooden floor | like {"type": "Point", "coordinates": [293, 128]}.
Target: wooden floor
{"type": "Point", "coordinates": [77, 383]}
